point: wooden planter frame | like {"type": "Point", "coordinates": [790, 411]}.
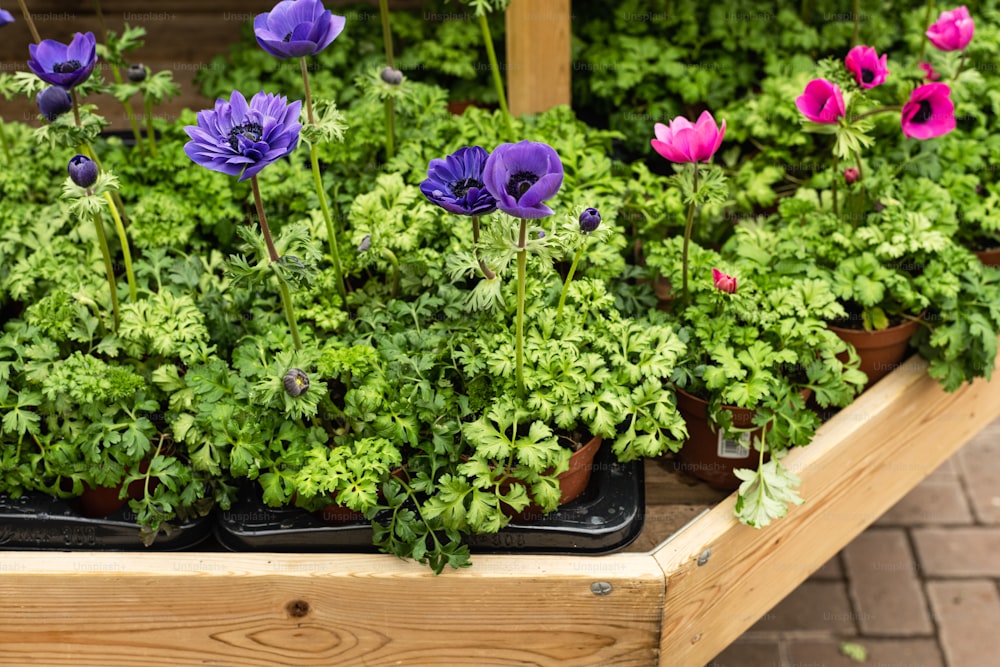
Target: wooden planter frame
{"type": "Point", "coordinates": [678, 604]}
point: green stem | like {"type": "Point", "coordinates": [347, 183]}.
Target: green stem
{"type": "Point", "coordinates": [961, 66]}
{"type": "Point", "coordinates": [569, 278]}
{"type": "Point", "coordinates": [688, 227]}
{"type": "Point", "coordinates": [487, 271]}
{"type": "Point", "coordinates": [391, 256]}
{"type": "Point", "coordinates": [307, 90]}
{"type": "Point", "coordinates": [927, 24]}
{"type": "Point", "coordinates": [148, 104]}
{"type": "Point", "coordinates": [522, 279]}
{"type": "Point", "coordinates": [484, 26]}
{"type": "Point", "coordinates": [874, 112]}
{"type": "Point", "coordinates": [857, 21]}
{"type": "Point", "coordinates": [118, 79]}
{"type": "Point", "coordinates": [31, 24]}
{"type": "Point", "coordinates": [5, 143]}
{"type": "Point", "coordinates": [383, 9]}
{"type": "Point", "coordinates": [102, 241]}
{"type": "Point", "coordinates": [836, 178]}
{"type": "Point", "coordinates": [390, 107]}
{"type": "Point", "coordinates": [274, 257]}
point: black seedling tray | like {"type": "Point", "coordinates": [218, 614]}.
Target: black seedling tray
{"type": "Point", "coordinates": [37, 521]}
{"type": "Point", "coordinates": [608, 516]}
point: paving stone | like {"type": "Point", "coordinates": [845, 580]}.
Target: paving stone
{"type": "Point", "coordinates": [979, 462]}
{"type": "Point", "coordinates": [967, 614]}
{"type": "Point", "coordinates": [972, 551]}
{"type": "Point", "coordinates": [831, 569]}
{"type": "Point", "coordinates": [881, 653]}
{"type": "Point", "coordinates": [884, 585]}
{"type": "Point", "coordinates": [938, 500]}
{"type": "Point", "coordinates": [744, 653]}
{"type": "Point", "coordinates": [815, 605]}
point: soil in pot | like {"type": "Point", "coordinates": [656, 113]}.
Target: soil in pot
{"type": "Point", "coordinates": [880, 351]}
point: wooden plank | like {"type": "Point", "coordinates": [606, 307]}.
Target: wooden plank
{"type": "Point", "coordinates": [538, 55]}
{"type": "Point", "coordinates": [861, 463]}
{"type": "Point", "coordinates": [249, 610]}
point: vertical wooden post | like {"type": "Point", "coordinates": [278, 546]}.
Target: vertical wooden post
{"type": "Point", "coordinates": [538, 55]}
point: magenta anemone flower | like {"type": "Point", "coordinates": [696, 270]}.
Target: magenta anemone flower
{"type": "Point", "coordinates": [522, 176]}
{"type": "Point", "coordinates": [65, 65]}
{"type": "Point", "coordinates": [953, 30]}
{"type": "Point", "coordinates": [822, 102]}
{"type": "Point", "coordinates": [929, 73]}
{"type": "Point", "coordinates": [869, 70]}
{"type": "Point", "coordinates": [297, 28]}
{"type": "Point", "coordinates": [683, 141]}
{"type": "Point", "coordinates": [240, 139]}
{"type": "Point", "coordinates": [724, 282]}
{"type": "Point", "coordinates": [929, 112]}
{"type": "Point", "coordinates": [456, 182]}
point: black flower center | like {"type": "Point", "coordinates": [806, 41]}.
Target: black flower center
{"type": "Point", "coordinates": [287, 38]}
{"type": "Point", "coordinates": [460, 188]}
{"type": "Point", "coordinates": [924, 114]}
{"type": "Point", "coordinates": [867, 76]}
{"type": "Point", "coordinates": [251, 131]}
{"type": "Point", "coordinates": [520, 183]}
{"type": "Point", "coordinates": [67, 67]}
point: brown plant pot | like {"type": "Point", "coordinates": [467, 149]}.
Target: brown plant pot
{"type": "Point", "coordinates": [103, 500]}
{"type": "Point", "coordinates": [707, 454]}
{"type": "Point", "coordinates": [880, 351]}
{"type": "Point", "coordinates": [572, 482]}
{"type": "Point", "coordinates": [339, 515]}
{"type": "Point", "coordinates": [989, 257]}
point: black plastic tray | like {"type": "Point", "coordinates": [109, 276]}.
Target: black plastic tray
{"type": "Point", "coordinates": [37, 521]}
{"type": "Point", "coordinates": [608, 516]}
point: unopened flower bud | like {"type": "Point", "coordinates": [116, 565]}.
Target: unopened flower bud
{"type": "Point", "coordinates": [590, 220]}
{"type": "Point", "coordinates": [137, 73]}
{"type": "Point", "coordinates": [392, 76]}
{"type": "Point", "coordinates": [53, 102]}
{"type": "Point", "coordinates": [724, 282]}
{"type": "Point", "coordinates": [296, 382]}
{"type": "Point", "coordinates": [851, 175]}
{"type": "Point", "coordinates": [366, 243]}
{"type": "Point", "coordinates": [82, 170]}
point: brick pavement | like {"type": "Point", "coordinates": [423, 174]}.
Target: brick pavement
{"type": "Point", "coordinates": [919, 588]}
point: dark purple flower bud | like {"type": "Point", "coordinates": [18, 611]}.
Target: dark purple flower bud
{"type": "Point", "coordinates": [851, 175]}
{"type": "Point", "coordinates": [5, 17]}
{"type": "Point", "coordinates": [137, 73]}
{"type": "Point", "coordinates": [590, 220]}
{"type": "Point", "coordinates": [522, 176]}
{"type": "Point", "coordinates": [240, 139]}
{"type": "Point", "coordinates": [456, 182]}
{"type": "Point", "coordinates": [297, 28]}
{"type": "Point", "coordinates": [391, 75]}
{"type": "Point", "coordinates": [366, 243]}
{"type": "Point", "coordinates": [65, 65]}
{"type": "Point", "coordinates": [82, 170]}
{"type": "Point", "coordinates": [296, 382]}
{"type": "Point", "coordinates": [54, 102]}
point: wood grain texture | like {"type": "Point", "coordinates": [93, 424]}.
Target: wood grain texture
{"type": "Point", "coordinates": [538, 55]}
{"type": "Point", "coordinates": [861, 463]}
{"type": "Point", "coordinates": [250, 610]}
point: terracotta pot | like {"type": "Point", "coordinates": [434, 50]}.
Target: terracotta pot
{"type": "Point", "coordinates": [100, 501]}
{"type": "Point", "coordinates": [664, 291]}
{"type": "Point", "coordinates": [339, 515]}
{"type": "Point", "coordinates": [706, 454]}
{"type": "Point", "coordinates": [880, 351]}
{"type": "Point", "coordinates": [989, 257]}
{"type": "Point", "coordinates": [572, 482]}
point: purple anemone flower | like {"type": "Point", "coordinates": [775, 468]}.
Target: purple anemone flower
{"type": "Point", "coordinates": [82, 170]}
{"type": "Point", "coordinates": [929, 112]}
{"type": "Point", "coordinates": [64, 65]}
{"type": "Point", "coordinates": [822, 102]}
{"type": "Point", "coordinates": [868, 69]}
{"type": "Point", "coordinates": [456, 182]}
{"type": "Point", "coordinates": [522, 176]}
{"type": "Point", "coordinates": [53, 102]}
{"type": "Point", "coordinates": [240, 139]}
{"type": "Point", "coordinates": [297, 28]}
{"type": "Point", "coordinates": [5, 17]}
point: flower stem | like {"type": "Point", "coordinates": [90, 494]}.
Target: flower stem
{"type": "Point", "coordinates": [390, 106]}
{"type": "Point", "coordinates": [569, 278]}
{"type": "Point", "coordinates": [5, 143]}
{"type": "Point", "coordinates": [307, 90]}
{"type": "Point", "coordinates": [484, 26]}
{"type": "Point", "coordinates": [874, 112]}
{"type": "Point", "coordinates": [487, 271]}
{"type": "Point", "coordinates": [286, 298]}
{"type": "Point", "coordinates": [30, 22]}
{"type": "Point", "coordinates": [522, 279]}
{"type": "Point", "coordinates": [391, 256]}
{"type": "Point", "coordinates": [118, 79]}
{"type": "Point", "coordinates": [927, 24]}
{"type": "Point", "coordinates": [836, 205]}
{"type": "Point", "coordinates": [688, 227]}
{"type": "Point", "coordinates": [102, 241]}
{"type": "Point", "coordinates": [148, 104]}
{"type": "Point", "coordinates": [961, 65]}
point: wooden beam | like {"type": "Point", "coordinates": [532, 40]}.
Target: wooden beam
{"type": "Point", "coordinates": [538, 55]}
{"type": "Point", "coordinates": [860, 464]}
